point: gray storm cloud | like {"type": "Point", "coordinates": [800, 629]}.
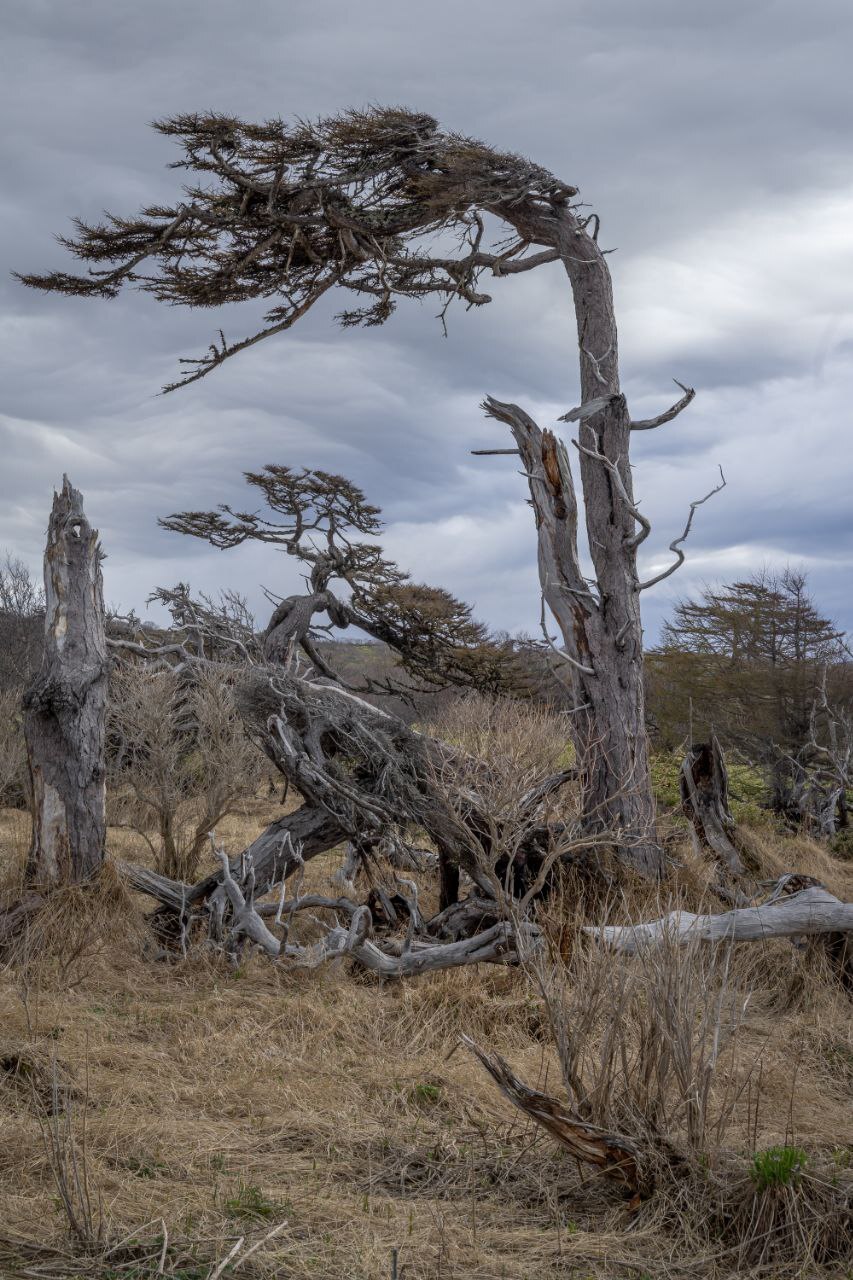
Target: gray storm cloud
{"type": "Point", "coordinates": [715, 142]}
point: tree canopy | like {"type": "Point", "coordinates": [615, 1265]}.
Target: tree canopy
{"type": "Point", "coordinates": [380, 202]}
{"type": "Point", "coordinates": [316, 517]}
{"type": "Point", "coordinates": [748, 657]}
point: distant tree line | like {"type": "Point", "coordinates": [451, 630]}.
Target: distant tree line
{"type": "Point", "coordinates": [758, 664]}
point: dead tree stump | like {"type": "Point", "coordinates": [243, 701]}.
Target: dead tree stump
{"type": "Point", "coordinates": [704, 786]}
{"type": "Point", "coordinates": [65, 707]}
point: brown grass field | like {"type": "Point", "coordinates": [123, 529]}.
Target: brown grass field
{"type": "Point", "coordinates": [336, 1123]}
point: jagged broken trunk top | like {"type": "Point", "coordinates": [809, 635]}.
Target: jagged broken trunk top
{"type": "Point", "coordinates": [64, 709]}
{"type": "Point", "coordinates": [602, 634]}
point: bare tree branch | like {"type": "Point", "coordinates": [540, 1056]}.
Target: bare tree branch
{"type": "Point", "coordinates": [675, 545]}
{"type": "Point", "coordinates": [648, 424]}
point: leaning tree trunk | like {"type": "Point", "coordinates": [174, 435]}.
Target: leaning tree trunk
{"type": "Point", "coordinates": [64, 709]}
{"type": "Point", "coordinates": [600, 622]}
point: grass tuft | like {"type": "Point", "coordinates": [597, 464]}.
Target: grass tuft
{"type": "Point", "coordinates": [778, 1167]}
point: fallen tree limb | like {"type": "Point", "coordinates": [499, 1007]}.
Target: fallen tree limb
{"type": "Point", "coordinates": [619, 1158]}
{"type": "Point", "coordinates": [285, 845]}
{"type": "Point", "coordinates": [810, 911]}
{"type": "Point", "coordinates": [497, 945]}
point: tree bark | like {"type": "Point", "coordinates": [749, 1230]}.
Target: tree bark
{"type": "Point", "coordinates": [65, 707]}
{"type": "Point", "coordinates": [602, 638]}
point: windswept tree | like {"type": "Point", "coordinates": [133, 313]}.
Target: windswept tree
{"type": "Point", "coordinates": [385, 205]}
{"type": "Point", "coordinates": [317, 518]}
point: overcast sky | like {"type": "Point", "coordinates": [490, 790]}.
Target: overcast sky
{"type": "Point", "coordinates": [714, 139]}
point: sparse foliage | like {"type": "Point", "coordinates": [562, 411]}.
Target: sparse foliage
{"type": "Point", "coordinates": [757, 663]}
{"type": "Point", "coordinates": [322, 520]}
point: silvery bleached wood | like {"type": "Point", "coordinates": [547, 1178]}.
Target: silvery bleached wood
{"type": "Point", "coordinates": [499, 944]}
{"type": "Point", "coordinates": [811, 911]}
{"type": "Point", "coordinates": [65, 707]}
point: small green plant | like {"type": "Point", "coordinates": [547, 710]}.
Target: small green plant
{"type": "Point", "coordinates": [144, 1168]}
{"type": "Point", "coordinates": [250, 1202]}
{"type": "Point", "coordinates": [777, 1167]}
{"type": "Point", "coordinates": [426, 1091]}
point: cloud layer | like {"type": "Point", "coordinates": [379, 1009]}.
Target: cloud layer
{"type": "Point", "coordinates": [713, 139]}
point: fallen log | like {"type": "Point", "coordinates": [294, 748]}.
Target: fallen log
{"type": "Point", "coordinates": [808, 912]}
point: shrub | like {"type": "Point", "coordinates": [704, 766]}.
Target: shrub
{"type": "Point", "coordinates": [180, 760]}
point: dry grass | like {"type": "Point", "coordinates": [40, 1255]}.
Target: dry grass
{"type": "Point", "coordinates": [221, 1103]}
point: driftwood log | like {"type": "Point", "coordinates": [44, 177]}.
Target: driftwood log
{"type": "Point", "coordinates": [807, 912]}
{"type": "Point", "coordinates": [65, 707]}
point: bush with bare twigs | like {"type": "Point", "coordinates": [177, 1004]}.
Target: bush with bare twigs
{"type": "Point", "coordinates": [180, 761]}
{"type": "Point", "coordinates": [13, 752]}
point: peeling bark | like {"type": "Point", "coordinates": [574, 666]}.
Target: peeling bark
{"type": "Point", "coordinates": [65, 707]}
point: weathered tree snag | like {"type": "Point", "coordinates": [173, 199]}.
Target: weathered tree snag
{"type": "Point", "coordinates": [65, 707]}
{"type": "Point", "coordinates": [810, 911]}
{"type": "Point", "coordinates": [599, 625]}
{"type": "Point", "coordinates": [704, 785]}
